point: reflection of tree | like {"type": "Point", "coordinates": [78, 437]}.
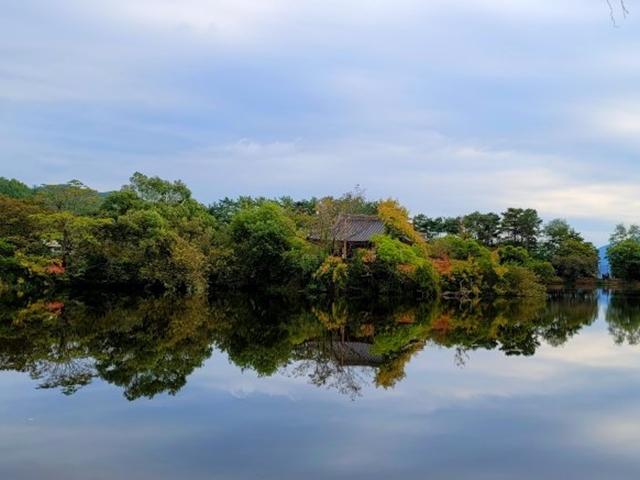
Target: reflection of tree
{"type": "Point", "coordinates": [357, 345]}
{"type": "Point", "coordinates": [69, 376]}
{"type": "Point", "coordinates": [623, 317]}
{"type": "Point", "coordinates": [37, 340]}
{"type": "Point", "coordinates": [514, 327]}
{"type": "Point", "coordinates": [162, 342]}
{"type": "Point", "coordinates": [256, 333]}
{"type": "Point", "coordinates": [566, 314]}
{"type": "Point", "coordinates": [149, 346]}
{"type": "Point", "coordinates": [509, 326]}
{"type": "Point", "coordinates": [146, 347]}
{"type": "Point", "coordinates": [323, 362]}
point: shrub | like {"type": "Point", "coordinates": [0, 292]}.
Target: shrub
{"type": "Point", "coordinates": [332, 274]}
{"type": "Point", "coordinates": [458, 248]}
{"type": "Point", "coordinates": [521, 282]}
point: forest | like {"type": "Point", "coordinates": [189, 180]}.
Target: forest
{"type": "Point", "coordinates": [153, 235]}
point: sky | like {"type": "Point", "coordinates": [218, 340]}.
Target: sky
{"type": "Point", "coordinates": [449, 107]}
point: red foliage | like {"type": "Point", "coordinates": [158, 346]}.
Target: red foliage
{"type": "Point", "coordinates": [441, 326]}
{"type": "Point", "coordinates": [406, 318]}
{"type": "Point", "coordinates": [442, 265]}
{"type": "Point", "coordinates": [55, 307]}
{"type": "Point", "coordinates": [55, 269]}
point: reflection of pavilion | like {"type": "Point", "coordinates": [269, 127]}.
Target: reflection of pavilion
{"type": "Point", "coordinates": [338, 363]}
{"type": "Point", "coordinates": [345, 353]}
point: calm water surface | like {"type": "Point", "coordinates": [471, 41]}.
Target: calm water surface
{"type": "Point", "coordinates": [250, 388]}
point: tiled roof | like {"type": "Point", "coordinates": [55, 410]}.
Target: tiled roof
{"type": "Point", "coordinates": [348, 353]}
{"type": "Point", "coordinates": [355, 228]}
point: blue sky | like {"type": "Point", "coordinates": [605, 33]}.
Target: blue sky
{"type": "Point", "coordinates": [448, 106]}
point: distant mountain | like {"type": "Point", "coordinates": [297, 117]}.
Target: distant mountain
{"type": "Point", "coordinates": [603, 262]}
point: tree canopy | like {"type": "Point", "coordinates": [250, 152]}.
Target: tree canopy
{"type": "Point", "coordinates": [152, 234]}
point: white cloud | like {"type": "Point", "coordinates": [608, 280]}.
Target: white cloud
{"type": "Point", "coordinates": [592, 348]}
{"type": "Point", "coordinates": [621, 120]}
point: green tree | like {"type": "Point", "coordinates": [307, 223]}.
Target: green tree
{"type": "Point", "coordinates": [570, 255]}
{"type": "Point", "coordinates": [78, 237]}
{"type": "Point", "coordinates": [16, 221]}
{"type": "Point", "coordinates": [555, 233]}
{"type": "Point", "coordinates": [120, 202]}
{"type": "Point", "coordinates": [261, 237]}
{"type": "Point", "coordinates": [438, 226]}
{"type": "Point", "coordinates": [225, 209]}
{"type": "Point", "coordinates": [575, 259]}
{"type": "Point", "coordinates": [624, 252]}
{"type": "Point", "coordinates": [624, 258]}
{"type": "Point", "coordinates": [483, 227]}
{"type": "Point", "coordinates": [622, 232]}
{"type": "Point", "coordinates": [14, 188]}
{"type": "Point", "coordinates": [521, 227]}
{"type": "Point", "coordinates": [157, 190]}
{"type": "Point", "coordinates": [73, 196]}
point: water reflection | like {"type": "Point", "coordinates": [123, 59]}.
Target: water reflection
{"type": "Point", "coordinates": [623, 318]}
{"type": "Point", "coordinates": [150, 346]}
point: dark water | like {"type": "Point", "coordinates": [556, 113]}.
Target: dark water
{"type": "Point", "coordinates": [253, 388]}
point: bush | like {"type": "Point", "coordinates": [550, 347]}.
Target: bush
{"type": "Point", "coordinates": [392, 251]}
{"type": "Point", "coordinates": [520, 256]}
{"type": "Point", "coordinates": [463, 280]}
{"type": "Point", "coordinates": [396, 220]}
{"type": "Point", "coordinates": [458, 248]}
{"type": "Point", "coordinates": [544, 271]}
{"type": "Point", "coordinates": [521, 282]}
{"type": "Point", "coordinates": [427, 281]}
{"type": "Point", "coordinates": [332, 275]}
{"type": "Point", "coordinates": [510, 254]}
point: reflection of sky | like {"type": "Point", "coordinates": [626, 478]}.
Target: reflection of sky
{"type": "Point", "coordinates": [568, 412]}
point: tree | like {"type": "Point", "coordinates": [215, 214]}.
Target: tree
{"type": "Point", "coordinates": [621, 233]}
{"type": "Point", "coordinates": [224, 210]}
{"type": "Point", "coordinates": [14, 188]}
{"type": "Point", "coordinates": [436, 227]}
{"type": "Point", "coordinates": [76, 235]}
{"type": "Point", "coordinates": [483, 227]}
{"type": "Point", "coordinates": [521, 227]}
{"type": "Point", "coordinates": [157, 190]}
{"type": "Point", "coordinates": [574, 259]}
{"type": "Point", "coordinates": [624, 258]}
{"type": "Point", "coordinates": [396, 221]}
{"type": "Point", "coordinates": [73, 196]}
{"type": "Point", "coordinates": [624, 252]}
{"type": "Point", "coordinates": [120, 202]}
{"type": "Point", "coordinates": [261, 236]}
{"type": "Point", "coordinates": [16, 221]}
{"type": "Point", "coordinates": [555, 233]}
{"type": "Point", "coordinates": [570, 255]}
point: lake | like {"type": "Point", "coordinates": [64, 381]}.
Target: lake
{"type": "Point", "coordinates": [253, 387]}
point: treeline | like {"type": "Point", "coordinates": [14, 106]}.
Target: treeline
{"type": "Point", "coordinates": [152, 234]}
{"type": "Point", "coordinates": [519, 234]}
